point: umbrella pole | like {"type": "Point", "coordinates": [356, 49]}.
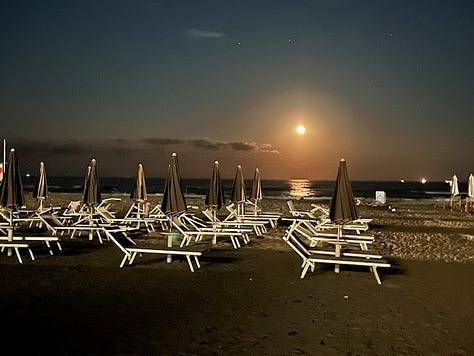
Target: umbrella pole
{"type": "Point", "coordinates": [338, 246]}
{"type": "Point", "coordinates": [91, 232]}
{"type": "Point", "coordinates": [169, 258]}
{"type": "Point", "coordinates": [214, 221]}
{"type": "Point", "coordinates": [10, 233]}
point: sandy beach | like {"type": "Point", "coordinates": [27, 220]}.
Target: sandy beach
{"type": "Point", "coordinates": [250, 301]}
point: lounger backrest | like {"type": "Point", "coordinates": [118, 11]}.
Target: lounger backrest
{"type": "Point", "coordinates": [120, 239]}
{"type": "Point", "coordinates": [296, 247]}
{"type": "Point", "coordinates": [51, 220]}
{"type": "Point", "coordinates": [105, 213]}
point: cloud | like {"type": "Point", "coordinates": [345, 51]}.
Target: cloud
{"type": "Point", "coordinates": [202, 34]}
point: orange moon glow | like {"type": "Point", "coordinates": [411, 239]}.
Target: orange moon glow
{"type": "Point", "coordinates": [300, 130]}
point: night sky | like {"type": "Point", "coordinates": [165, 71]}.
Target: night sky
{"type": "Point", "coordinates": [387, 85]}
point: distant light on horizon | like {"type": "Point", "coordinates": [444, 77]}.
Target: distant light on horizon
{"type": "Point", "coordinates": [423, 180]}
{"type": "Point", "coordinates": [402, 180]}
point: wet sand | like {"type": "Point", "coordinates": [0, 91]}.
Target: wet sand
{"type": "Point", "coordinates": [250, 301]}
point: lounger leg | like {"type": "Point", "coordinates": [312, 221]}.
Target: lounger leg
{"type": "Point", "coordinates": [376, 274]}
{"type": "Point", "coordinates": [190, 263]}
{"type": "Point", "coordinates": [31, 254]}
{"type": "Point", "coordinates": [49, 247]}
{"type": "Point", "coordinates": [196, 259]}
{"type": "Point", "coordinates": [59, 246]}
{"type": "Point", "coordinates": [305, 269]}
{"type": "Point", "coordinates": [123, 260]}
{"type": "Point", "coordinates": [233, 242]}
{"type": "Point", "coordinates": [100, 237]}
{"type": "Point", "coordinates": [18, 255]}
{"type": "Point", "coordinates": [132, 258]}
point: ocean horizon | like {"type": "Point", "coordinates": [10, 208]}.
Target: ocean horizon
{"type": "Point", "coordinates": [278, 188]}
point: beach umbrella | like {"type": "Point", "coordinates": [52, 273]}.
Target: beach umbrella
{"type": "Point", "coordinates": [454, 189]}
{"type": "Point", "coordinates": [92, 196]}
{"type": "Point", "coordinates": [139, 193]}
{"type": "Point", "coordinates": [470, 187]}
{"type": "Point", "coordinates": [342, 208]}
{"type": "Point", "coordinates": [173, 202]}
{"type": "Point", "coordinates": [11, 190]}
{"type": "Point", "coordinates": [215, 194]}
{"type": "Point", "coordinates": [238, 194]}
{"type": "Point", "coordinates": [40, 190]}
{"type": "Point", "coordinates": [470, 193]}
{"type": "Point", "coordinates": [256, 194]}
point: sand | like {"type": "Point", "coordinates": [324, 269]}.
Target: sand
{"type": "Point", "coordinates": [250, 301]}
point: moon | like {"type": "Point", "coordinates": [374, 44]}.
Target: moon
{"type": "Point", "coordinates": [300, 130]}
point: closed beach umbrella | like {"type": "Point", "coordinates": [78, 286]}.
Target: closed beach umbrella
{"type": "Point", "coordinates": [40, 191]}
{"type": "Point", "coordinates": [215, 194]}
{"type": "Point", "coordinates": [256, 194]}
{"type": "Point", "coordinates": [11, 193]}
{"type": "Point", "coordinates": [238, 195]}
{"type": "Point", "coordinates": [92, 194]}
{"type": "Point", "coordinates": [454, 186]}
{"type": "Point", "coordinates": [470, 187]}
{"type": "Point", "coordinates": [139, 193]}
{"type": "Point", "coordinates": [173, 202]}
{"type": "Point", "coordinates": [342, 208]}
{"type": "Point", "coordinates": [11, 190]}
{"type": "Point", "coordinates": [454, 189]}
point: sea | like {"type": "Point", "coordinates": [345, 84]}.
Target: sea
{"type": "Point", "coordinates": [280, 189]}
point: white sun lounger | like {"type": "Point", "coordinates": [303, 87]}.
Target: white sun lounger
{"type": "Point", "coordinates": [131, 250]}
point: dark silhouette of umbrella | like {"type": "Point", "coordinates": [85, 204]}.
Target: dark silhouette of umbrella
{"type": "Point", "coordinates": [256, 194]}
{"type": "Point", "coordinates": [40, 191]}
{"type": "Point", "coordinates": [238, 194]}
{"type": "Point", "coordinates": [173, 202]}
{"type": "Point", "coordinates": [92, 194]}
{"type": "Point", "coordinates": [215, 194]}
{"type": "Point", "coordinates": [139, 193]}
{"type": "Point", "coordinates": [11, 190]}
{"type": "Point", "coordinates": [11, 193]}
{"type": "Point", "coordinates": [342, 208]}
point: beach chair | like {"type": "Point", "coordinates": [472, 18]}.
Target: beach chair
{"type": "Point", "coordinates": [190, 229]}
{"type": "Point", "coordinates": [131, 250]}
{"type": "Point", "coordinates": [259, 227]}
{"type": "Point", "coordinates": [17, 245]}
{"type": "Point", "coordinates": [349, 257]}
{"type": "Point", "coordinates": [313, 232]}
{"type": "Point", "coordinates": [57, 227]}
{"type": "Point", "coordinates": [110, 219]}
{"type": "Point", "coordinates": [265, 218]}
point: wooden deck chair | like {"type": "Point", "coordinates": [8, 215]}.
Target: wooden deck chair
{"type": "Point", "coordinates": [351, 257]}
{"type": "Point", "coordinates": [131, 250]}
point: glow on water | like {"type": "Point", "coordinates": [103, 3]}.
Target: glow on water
{"type": "Point", "coordinates": [301, 188]}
